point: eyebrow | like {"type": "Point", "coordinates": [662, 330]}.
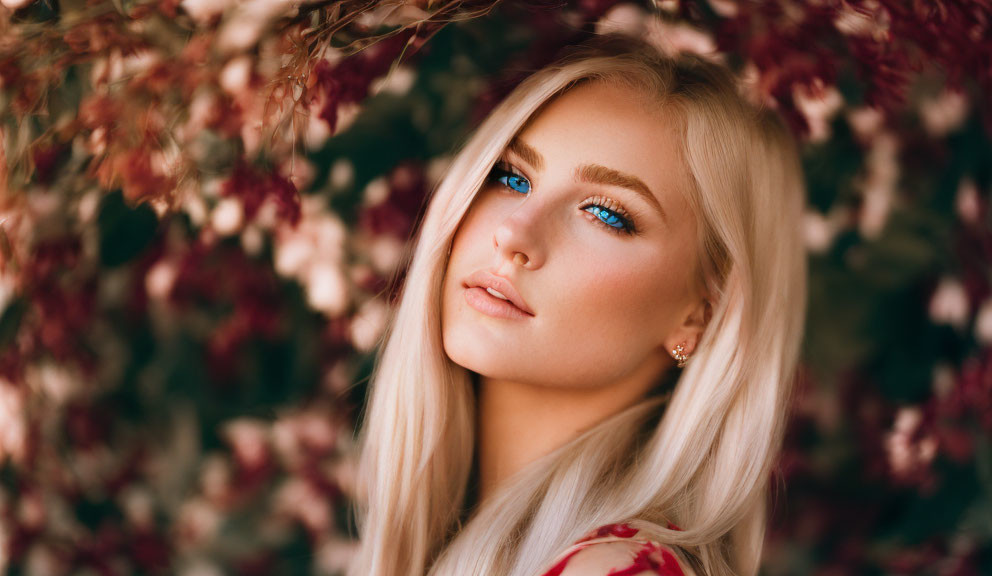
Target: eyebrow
{"type": "Point", "coordinates": [592, 174]}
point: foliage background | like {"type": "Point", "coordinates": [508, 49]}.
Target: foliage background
{"type": "Point", "coordinates": [204, 201]}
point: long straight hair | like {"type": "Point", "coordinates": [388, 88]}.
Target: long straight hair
{"type": "Point", "coordinates": [703, 459]}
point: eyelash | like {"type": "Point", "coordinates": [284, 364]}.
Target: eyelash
{"type": "Point", "coordinates": [606, 205]}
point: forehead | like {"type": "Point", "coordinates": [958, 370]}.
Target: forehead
{"type": "Point", "coordinates": [616, 127]}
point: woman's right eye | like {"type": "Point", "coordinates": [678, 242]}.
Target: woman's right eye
{"type": "Point", "coordinates": [505, 175]}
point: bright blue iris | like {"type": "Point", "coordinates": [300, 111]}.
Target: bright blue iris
{"type": "Point", "coordinates": [607, 216]}
{"type": "Point", "coordinates": [519, 183]}
{"type": "Point", "coordinates": [512, 180]}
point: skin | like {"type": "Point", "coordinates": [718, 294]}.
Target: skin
{"type": "Point", "coordinates": [608, 308]}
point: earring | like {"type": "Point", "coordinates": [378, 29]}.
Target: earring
{"type": "Point", "coordinates": [679, 355]}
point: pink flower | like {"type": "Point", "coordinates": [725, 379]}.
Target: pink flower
{"type": "Point", "coordinates": [13, 433]}
{"type": "Point", "coordinates": [299, 500]}
{"type": "Point", "coordinates": [15, 4]}
{"type": "Point", "coordinates": [254, 188]}
{"type": "Point", "coordinates": [944, 113]}
{"type": "Point", "coordinates": [949, 303]}
{"type": "Point", "coordinates": [907, 453]}
{"type": "Point", "coordinates": [250, 441]}
{"type": "Point", "coordinates": [681, 37]}
{"type": "Point", "coordinates": [206, 12]}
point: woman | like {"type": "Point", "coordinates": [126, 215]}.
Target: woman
{"type": "Point", "coordinates": [590, 362]}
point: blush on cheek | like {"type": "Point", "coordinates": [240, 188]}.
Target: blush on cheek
{"type": "Point", "coordinates": [633, 296]}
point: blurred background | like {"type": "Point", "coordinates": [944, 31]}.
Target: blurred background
{"type": "Point", "coordinates": [203, 204]}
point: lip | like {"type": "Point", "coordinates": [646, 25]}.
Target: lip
{"type": "Point", "coordinates": [483, 279]}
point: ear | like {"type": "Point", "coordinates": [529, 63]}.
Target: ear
{"type": "Point", "coordinates": [695, 317]}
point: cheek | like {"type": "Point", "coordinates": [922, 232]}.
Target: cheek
{"type": "Point", "coordinates": [629, 293]}
{"type": "Point", "coordinates": [608, 323]}
{"type": "Point", "coordinates": [472, 231]}
{"type": "Point", "coordinates": [467, 255]}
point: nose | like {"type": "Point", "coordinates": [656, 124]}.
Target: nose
{"type": "Point", "coordinates": [519, 238]}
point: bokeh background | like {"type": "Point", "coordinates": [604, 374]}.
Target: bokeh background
{"type": "Point", "coordinates": [204, 212]}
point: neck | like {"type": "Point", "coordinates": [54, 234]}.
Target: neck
{"type": "Point", "coordinates": [519, 423]}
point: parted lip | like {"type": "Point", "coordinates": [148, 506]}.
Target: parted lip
{"type": "Point", "coordinates": [486, 279]}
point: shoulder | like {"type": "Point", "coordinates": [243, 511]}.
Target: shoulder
{"type": "Point", "coordinates": [617, 550]}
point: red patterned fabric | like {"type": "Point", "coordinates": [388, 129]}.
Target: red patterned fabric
{"type": "Point", "coordinates": [650, 557]}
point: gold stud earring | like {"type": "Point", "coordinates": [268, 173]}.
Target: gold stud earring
{"type": "Point", "coordinates": [680, 356]}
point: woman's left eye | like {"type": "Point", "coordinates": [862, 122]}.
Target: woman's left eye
{"type": "Point", "coordinates": [615, 221]}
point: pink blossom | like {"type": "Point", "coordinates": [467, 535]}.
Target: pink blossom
{"type": "Point", "coordinates": [866, 19]}
{"type": "Point", "coordinates": [327, 288]}
{"type": "Point", "coordinates": [968, 203]}
{"type": "Point", "coordinates": [626, 18]}
{"type": "Point", "coordinates": [15, 4]}
{"type": "Point", "coordinates": [384, 253]}
{"type": "Point", "coordinates": [243, 28]}
{"type": "Point", "coordinates": [879, 186]}
{"type": "Point", "coordinates": [949, 303]}
{"type": "Point", "coordinates": [254, 188]}
{"type": "Point", "coordinates": [236, 76]}
{"type": "Point", "coordinates": [227, 216]}
{"type": "Point", "coordinates": [249, 439]}
{"type": "Point", "coordinates": [819, 232]}
{"type": "Point", "coordinates": [334, 554]}
{"type": "Point", "coordinates": [13, 433]}
{"type": "Point", "coordinates": [299, 500]}
{"type": "Point", "coordinates": [160, 279]}
{"type": "Point", "coordinates": [908, 454]}
{"type": "Point", "coordinates": [368, 324]}
{"type": "Point", "coordinates": [818, 104]}
{"type": "Point", "coordinates": [197, 523]}
{"type": "Point", "coordinates": [300, 436]}
{"type": "Point", "coordinates": [298, 171]}
{"type": "Point", "coordinates": [252, 240]}
{"type": "Point", "coordinates": [397, 81]}
{"type": "Point", "coordinates": [342, 174]}
{"type": "Point", "coordinates": [107, 69]}
{"type": "Point", "coordinates": [57, 383]}
{"type": "Point", "coordinates": [206, 12]}
{"type": "Point", "coordinates": [944, 113]}
{"type": "Point", "coordinates": [216, 479]}
{"type": "Point", "coordinates": [201, 567]}
{"type": "Point", "coordinates": [43, 560]}
{"type": "Point", "coordinates": [138, 504]}
{"type": "Point", "coordinates": [866, 122]}
{"type": "Point", "coordinates": [31, 509]}
{"type": "Point", "coordinates": [392, 15]}
{"type": "Point", "coordinates": [983, 323]}
{"type": "Point", "coordinates": [673, 38]}
{"type": "Point", "coordinates": [312, 254]}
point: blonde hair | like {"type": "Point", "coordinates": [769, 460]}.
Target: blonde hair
{"type": "Point", "coordinates": [703, 462]}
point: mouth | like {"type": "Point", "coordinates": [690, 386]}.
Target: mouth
{"type": "Point", "coordinates": [495, 295]}
{"type": "Point", "coordinates": [484, 301]}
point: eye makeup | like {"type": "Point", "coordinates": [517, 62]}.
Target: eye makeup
{"type": "Point", "coordinates": [606, 211]}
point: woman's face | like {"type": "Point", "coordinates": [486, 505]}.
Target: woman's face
{"type": "Point", "coordinates": [584, 216]}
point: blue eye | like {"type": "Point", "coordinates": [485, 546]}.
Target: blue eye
{"type": "Point", "coordinates": [615, 220]}
{"type": "Point", "coordinates": [511, 180]}
{"type": "Point", "coordinates": [610, 218]}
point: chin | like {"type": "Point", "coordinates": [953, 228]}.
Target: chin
{"type": "Point", "coordinates": [460, 350]}
{"type": "Point", "coordinates": [475, 355]}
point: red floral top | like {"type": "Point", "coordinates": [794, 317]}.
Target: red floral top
{"type": "Point", "coordinates": [642, 556]}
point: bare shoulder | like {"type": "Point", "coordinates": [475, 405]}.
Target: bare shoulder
{"type": "Point", "coordinates": [625, 557]}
